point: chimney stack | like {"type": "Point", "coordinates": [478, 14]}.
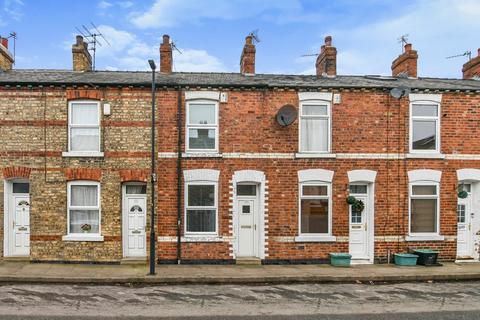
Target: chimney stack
{"type": "Point", "coordinates": [166, 60]}
{"type": "Point", "coordinates": [247, 60]}
{"type": "Point", "coordinates": [327, 59]}
{"type": "Point", "coordinates": [406, 63]}
{"type": "Point", "coordinates": [82, 60]}
{"type": "Point", "coordinates": [6, 57]}
{"type": "Point", "coordinates": [471, 69]}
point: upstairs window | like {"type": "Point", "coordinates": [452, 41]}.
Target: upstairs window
{"type": "Point", "coordinates": [84, 126]}
{"type": "Point", "coordinates": [425, 128]}
{"type": "Point", "coordinates": [315, 126]}
{"type": "Point", "coordinates": [202, 126]}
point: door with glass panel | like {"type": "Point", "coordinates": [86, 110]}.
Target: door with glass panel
{"type": "Point", "coordinates": [465, 236]}
{"type": "Point", "coordinates": [358, 226]}
{"type": "Point", "coordinates": [19, 216]}
{"type": "Point", "coordinates": [247, 215]}
{"type": "Point", "coordinates": [134, 220]}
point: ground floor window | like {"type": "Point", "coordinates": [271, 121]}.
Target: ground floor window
{"type": "Point", "coordinates": [424, 208]}
{"type": "Point", "coordinates": [201, 208]}
{"type": "Point", "coordinates": [315, 210]}
{"type": "Point", "coordinates": [83, 207]}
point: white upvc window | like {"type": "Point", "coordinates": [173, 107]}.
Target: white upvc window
{"type": "Point", "coordinates": [315, 126]}
{"type": "Point", "coordinates": [84, 126]}
{"type": "Point", "coordinates": [202, 126]}
{"type": "Point", "coordinates": [424, 127]}
{"type": "Point", "coordinates": [315, 209]}
{"type": "Point", "coordinates": [83, 211]}
{"type": "Point", "coordinates": [424, 203]}
{"type": "Point", "coordinates": [201, 208]}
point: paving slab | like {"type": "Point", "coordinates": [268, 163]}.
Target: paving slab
{"type": "Point", "coordinates": [25, 272]}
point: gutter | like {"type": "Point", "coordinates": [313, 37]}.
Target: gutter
{"type": "Point", "coordinates": [179, 175]}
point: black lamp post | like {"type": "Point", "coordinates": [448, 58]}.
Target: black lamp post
{"type": "Point", "coordinates": [153, 175]}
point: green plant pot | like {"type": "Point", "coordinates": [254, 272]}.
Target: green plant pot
{"type": "Point", "coordinates": [405, 259]}
{"type": "Point", "coordinates": [340, 259]}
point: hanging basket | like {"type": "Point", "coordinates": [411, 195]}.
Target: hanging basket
{"type": "Point", "coordinates": [462, 194]}
{"type": "Point", "coordinates": [351, 200]}
{"type": "Point", "coordinates": [358, 206]}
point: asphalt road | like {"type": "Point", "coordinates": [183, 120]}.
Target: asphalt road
{"type": "Point", "coordinates": [453, 300]}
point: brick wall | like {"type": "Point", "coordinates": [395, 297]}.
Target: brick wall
{"type": "Point", "coordinates": [34, 135]}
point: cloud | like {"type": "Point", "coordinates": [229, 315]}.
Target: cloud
{"type": "Point", "coordinates": [13, 9]}
{"type": "Point", "coordinates": [104, 5]}
{"type": "Point", "coordinates": [168, 13]}
{"type": "Point", "coordinates": [436, 29]}
{"type": "Point", "coordinates": [128, 52]}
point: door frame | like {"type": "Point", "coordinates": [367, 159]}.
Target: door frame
{"type": "Point", "coordinates": [369, 220]}
{"type": "Point", "coordinates": [257, 178]}
{"type": "Point", "coordinates": [7, 203]}
{"type": "Point", "coordinates": [124, 221]}
{"type": "Point", "coordinates": [256, 215]}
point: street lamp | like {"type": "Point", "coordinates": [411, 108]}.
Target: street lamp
{"type": "Point", "coordinates": [153, 175]}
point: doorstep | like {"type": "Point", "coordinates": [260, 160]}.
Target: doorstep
{"type": "Point", "coordinates": [248, 261]}
{"type": "Point", "coordinates": [16, 259]}
{"type": "Point", "coordinates": [134, 260]}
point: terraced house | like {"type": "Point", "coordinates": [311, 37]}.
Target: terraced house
{"type": "Point", "coordinates": [249, 166]}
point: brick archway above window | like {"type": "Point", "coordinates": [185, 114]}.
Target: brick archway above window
{"type": "Point", "coordinates": [16, 172]}
{"type": "Point", "coordinates": [75, 94]}
{"type": "Point", "coordinates": [134, 175]}
{"type": "Point", "coordinates": [83, 174]}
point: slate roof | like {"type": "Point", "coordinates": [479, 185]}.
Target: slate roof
{"type": "Point", "coordinates": [143, 78]}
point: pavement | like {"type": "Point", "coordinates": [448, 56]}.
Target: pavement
{"type": "Point", "coordinates": [26, 272]}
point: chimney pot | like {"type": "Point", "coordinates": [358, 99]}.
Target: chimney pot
{"type": "Point", "coordinates": [166, 59]}
{"type": "Point", "coordinates": [327, 59]}
{"type": "Point", "coordinates": [406, 63]}
{"type": "Point", "coordinates": [5, 42]}
{"type": "Point", "coordinates": [247, 59]}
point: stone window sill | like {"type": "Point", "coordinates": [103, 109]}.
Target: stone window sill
{"type": "Point", "coordinates": [434, 237]}
{"type": "Point", "coordinates": [319, 238]}
{"type": "Point", "coordinates": [83, 154]}
{"type": "Point", "coordinates": [202, 155]}
{"type": "Point", "coordinates": [425, 156]}
{"type": "Point", "coordinates": [303, 155]}
{"type": "Point", "coordinates": [83, 237]}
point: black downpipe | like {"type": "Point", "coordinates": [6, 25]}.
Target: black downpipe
{"type": "Point", "coordinates": [179, 177]}
{"type": "Point", "coordinates": [153, 181]}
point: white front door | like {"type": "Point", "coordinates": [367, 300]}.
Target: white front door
{"type": "Point", "coordinates": [358, 230]}
{"type": "Point", "coordinates": [20, 222]}
{"type": "Point", "coordinates": [247, 216]}
{"type": "Point", "coordinates": [134, 223]}
{"type": "Point", "coordinates": [465, 217]}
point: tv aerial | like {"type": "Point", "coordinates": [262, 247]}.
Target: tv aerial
{"type": "Point", "coordinates": [403, 39]}
{"type": "Point", "coordinates": [465, 54]}
{"type": "Point", "coordinates": [13, 35]}
{"type": "Point", "coordinates": [254, 35]}
{"type": "Point", "coordinates": [93, 38]}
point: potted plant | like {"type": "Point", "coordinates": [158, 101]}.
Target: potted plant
{"type": "Point", "coordinates": [462, 194]}
{"type": "Point", "coordinates": [358, 206]}
{"type": "Point", "coordinates": [86, 228]}
{"type": "Point", "coordinates": [351, 200]}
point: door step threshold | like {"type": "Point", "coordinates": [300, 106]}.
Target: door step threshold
{"type": "Point", "coordinates": [139, 261]}
{"type": "Point", "coordinates": [248, 261]}
{"type": "Point", "coordinates": [460, 261]}
{"type": "Point", "coordinates": [360, 261]}
{"type": "Point", "coordinates": [16, 259]}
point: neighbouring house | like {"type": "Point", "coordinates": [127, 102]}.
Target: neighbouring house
{"type": "Point", "coordinates": [249, 166]}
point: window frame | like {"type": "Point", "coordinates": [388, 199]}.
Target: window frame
{"type": "Point", "coordinates": [328, 197]}
{"type": "Point", "coordinates": [320, 102]}
{"type": "Point", "coordinates": [86, 126]}
{"type": "Point", "coordinates": [428, 197]}
{"type": "Point", "coordinates": [70, 207]}
{"type": "Point", "coordinates": [437, 120]}
{"type": "Point", "coordinates": [187, 207]}
{"type": "Point", "coordinates": [189, 126]}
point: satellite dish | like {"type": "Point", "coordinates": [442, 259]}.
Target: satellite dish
{"type": "Point", "coordinates": [286, 115]}
{"type": "Point", "coordinates": [399, 92]}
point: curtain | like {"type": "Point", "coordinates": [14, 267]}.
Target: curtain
{"type": "Point", "coordinates": [424, 215]}
{"type": "Point", "coordinates": [84, 196]}
{"type": "Point", "coordinates": [78, 218]}
{"type": "Point", "coordinates": [84, 139]}
{"type": "Point", "coordinates": [314, 135]}
{"type": "Point", "coordinates": [84, 114]}
{"type": "Point", "coordinates": [136, 189]}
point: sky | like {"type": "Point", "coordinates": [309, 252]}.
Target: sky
{"type": "Point", "coordinates": [210, 33]}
